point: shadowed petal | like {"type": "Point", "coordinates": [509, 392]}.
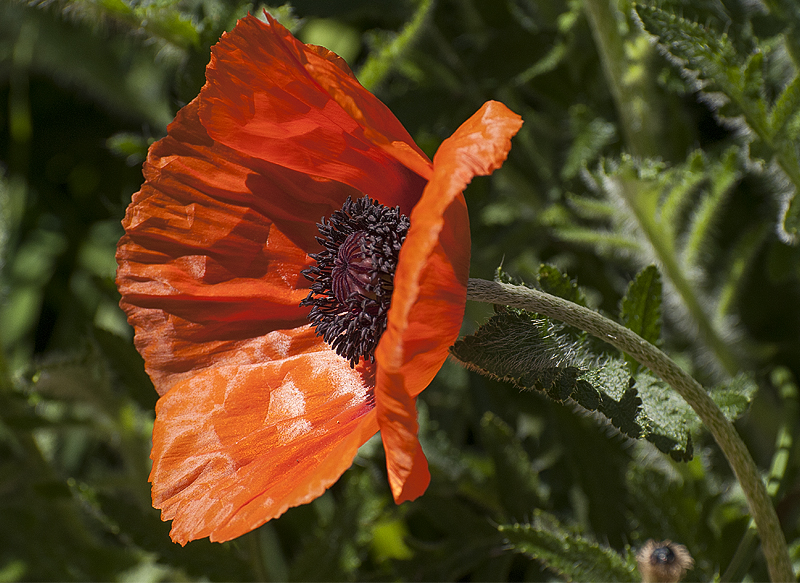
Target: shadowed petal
{"type": "Point", "coordinates": [235, 446]}
{"type": "Point", "coordinates": [214, 245]}
{"type": "Point", "coordinates": [270, 96]}
{"type": "Point", "coordinates": [430, 286]}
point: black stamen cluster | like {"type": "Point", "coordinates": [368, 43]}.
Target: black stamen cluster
{"type": "Point", "coordinates": [361, 243]}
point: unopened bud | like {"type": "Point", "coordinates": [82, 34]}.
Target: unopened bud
{"type": "Point", "coordinates": [663, 562]}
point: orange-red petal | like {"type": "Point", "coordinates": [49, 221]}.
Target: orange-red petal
{"type": "Point", "coordinates": [209, 272]}
{"type": "Point", "coordinates": [235, 446]}
{"type": "Point", "coordinates": [430, 288]}
{"type": "Point", "coordinates": [257, 414]}
{"type": "Point", "coordinates": [214, 245]}
{"type": "Point", "coordinates": [269, 96]}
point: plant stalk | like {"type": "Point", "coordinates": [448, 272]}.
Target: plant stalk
{"type": "Point", "coordinates": [773, 541]}
{"type": "Point", "coordinates": [634, 96]}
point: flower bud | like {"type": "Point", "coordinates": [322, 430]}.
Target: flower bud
{"type": "Point", "coordinates": [663, 561]}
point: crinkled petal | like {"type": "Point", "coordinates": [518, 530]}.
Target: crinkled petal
{"type": "Point", "coordinates": [430, 288]}
{"type": "Point", "coordinates": [271, 97]}
{"type": "Point", "coordinates": [214, 245]}
{"type": "Point", "coordinates": [235, 446]}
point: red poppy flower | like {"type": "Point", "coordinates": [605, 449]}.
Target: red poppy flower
{"type": "Point", "coordinates": [257, 412]}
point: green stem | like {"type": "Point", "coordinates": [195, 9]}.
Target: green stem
{"type": "Point", "coordinates": [743, 556]}
{"type": "Point", "coordinates": [380, 63]}
{"type": "Point", "coordinates": [255, 555]}
{"type": "Point", "coordinates": [633, 94]}
{"type": "Point", "coordinates": [667, 258]}
{"type": "Point", "coordinates": [767, 524]}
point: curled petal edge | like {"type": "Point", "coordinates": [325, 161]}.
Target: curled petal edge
{"type": "Point", "coordinates": [430, 289]}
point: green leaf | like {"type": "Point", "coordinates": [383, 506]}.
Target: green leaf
{"type": "Point", "coordinates": [707, 215]}
{"type": "Point", "coordinates": [567, 552]}
{"type": "Point", "coordinates": [682, 190]}
{"type": "Point", "coordinates": [785, 110]}
{"type": "Point", "coordinates": [734, 86]}
{"type": "Point", "coordinates": [741, 258]}
{"type": "Point", "coordinates": [671, 217]}
{"type": "Point", "coordinates": [706, 54]}
{"type": "Point", "coordinates": [389, 56]}
{"type": "Point", "coordinates": [592, 135]}
{"type": "Point", "coordinates": [641, 306]}
{"type": "Point", "coordinates": [733, 397]}
{"type": "Point", "coordinates": [591, 208]}
{"type": "Point", "coordinates": [559, 284]}
{"type": "Point", "coordinates": [550, 61]}
{"type": "Point", "coordinates": [535, 353]}
{"type": "Point", "coordinates": [516, 347]}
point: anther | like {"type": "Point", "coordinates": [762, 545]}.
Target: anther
{"type": "Point", "coordinates": [352, 280]}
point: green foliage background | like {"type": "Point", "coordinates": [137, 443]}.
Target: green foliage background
{"type": "Point", "coordinates": [661, 133]}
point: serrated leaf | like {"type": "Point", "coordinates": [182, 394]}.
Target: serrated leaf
{"type": "Point", "coordinates": [641, 306]}
{"type": "Point", "coordinates": [559, 284]}
{"type": "Point", "coordinates": [534, 353]}
{"type": "Point", "coordinates": [671, 216]}
{"type": "Point", "coordinates": [567, 552]}
{"type": "Point", "coordinates": [503, 276]}
{"type": "Point", "coordinates": [666, 418]}
{"type": "Point", "coordinates": [707, 54]}
{"type": "Point", "coordinates": [710, 59]}
{"type": "Point", "coordinates": [619, 399]}
{"type": "Point", "coordinates": [514, 347]}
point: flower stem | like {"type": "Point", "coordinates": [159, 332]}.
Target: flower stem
{"type": "Point", "coordinates": [740, 460]}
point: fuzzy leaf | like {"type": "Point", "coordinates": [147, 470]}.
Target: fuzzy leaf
{"type": "Point", "coordinates": [723, 176]}
{"type": "Point", "coordinates": [672, 216]}
{"type": "Point", "coordinates": [535, 353]}
{"type": "Point", "coordinates": [734, 396]}
{"type": "Point", "coordinates": [559, 284]}
{"type": "Point", "coordinates": [567, 552]}
{"type": "Point", "coordinates": [591, 136]}
{"type": "Point", "coordinates": [516, 347]}
{"type": "Point", "coordinates": [591, 208]}
{"type": "Point", "coordinates": [641, 306]}
{"type": "Point", "coordinates": [733, 85]}
{"type": "Point", "coordinates": [607, 243]}
{"type": "Point", "coordinates": [683, 190]}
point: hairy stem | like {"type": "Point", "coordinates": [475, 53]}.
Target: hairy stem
{"type": "Point", "coordinates": [766, 520]}
{"type": "Point", "coordinates": [667, 258]}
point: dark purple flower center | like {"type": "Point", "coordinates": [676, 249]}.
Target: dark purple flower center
{"type": "Point", "coordinates": [352, 268]}
{"type": "Point", "coordinates": [352, 280]}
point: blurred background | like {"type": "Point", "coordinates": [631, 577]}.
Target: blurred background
{"type": "Point", "coordinates": [678, 150]}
